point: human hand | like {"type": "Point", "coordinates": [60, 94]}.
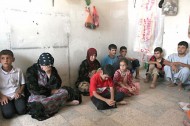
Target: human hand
{"type": "Point", "coordinates": [130, 89]}
{"type": "Point", "coordinates": [54, 91]}
{"type": "Point", "coordinates": [177, 63]}
{"type": "Point", "coordinates": [17, 95]}
{"type": "Point", "coordinates": [4, 100]}
{"type": "Point", "coordinates": [134, 88]}
{"type": "Point", "coordinates": [174, 68]}
{"type": "Point", "coordinates": [92, 73]}
{"type": "Point", "coordinates": [132, 59]}
{"type": "Point", "coordinates": [158, 65]}
{"type": "Point", "coordinates": [110, 102]}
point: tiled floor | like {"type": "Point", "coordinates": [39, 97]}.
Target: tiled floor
{"type": "Point", "coordinates": [153, 107]}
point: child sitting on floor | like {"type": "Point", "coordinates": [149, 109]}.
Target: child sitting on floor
{"type": "Point", "coordinates": [102, 91]}
{"type": "Point", "coordinates": [156, 67]}
{"type": "Point", "coordinates": [133, 63]}
{"type": "Point", "coordinates": [123, 80]}
{"type": "Point", "coordinates": [11, 86]}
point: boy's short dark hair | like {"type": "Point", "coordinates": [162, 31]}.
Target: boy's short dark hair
{"type": "Point", "coordinates": [112, 46]}
{"type": "Point", "coordinates": [109, 70]}
{"type": "Point", "coordinates": [123, 47]}
{"type": "Point", "coordinates": [158, 49]}
{"type": "Point", "coordinates": [183, 43]}
{"type": "Point", "coordinates": [7, 52]}
{"type": "Point", "coordinates": [123, 60]}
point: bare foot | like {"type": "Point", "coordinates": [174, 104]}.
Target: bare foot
{"type": "Point", "coordinates": [148, 77]}
{"type": "Point", "coordinates": [137, 77]}
{"type": "Point", "coordinates": [171, 84]}
{"type": "Point", "coordinates": [153, 85]}
{"type": "Point", "coordinates": [146, 80]}
{"type": "Point", "coordinates": [123, 102]}
{"type": "Point", "coordinates": [188, 106]}
{"type": "Point", "coordinates": [186, 123]}
{"type": "Point", "coordinates": [179, 86]}
{"type": "Point", "coordinates": [74, 102]}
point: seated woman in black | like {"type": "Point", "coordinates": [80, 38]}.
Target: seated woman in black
{"type": "Point", "coordinates": [87, 68]}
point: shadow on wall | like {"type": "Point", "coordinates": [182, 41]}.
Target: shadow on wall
{"type": "Point", "coordinates": [23, 62]}
{"type": "Point", "coordinates": [75, 62]}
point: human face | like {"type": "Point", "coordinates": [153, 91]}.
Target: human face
{"type": "Point", "coordinates": [123, 66]}
{"type": "Point", "coordinates": [93, 57]}
{"type": "Point", "coordinates": [157, 54]}
{"type": "Point", "coordinates": [123, 52]}
{"type": "Point", "coordinates": [181, 50]}
{"type": "Point", "coordinates": [112, 52]}
{"type": "Point", "coordinates": [46, 68]}
{"type": "Point", "coordinates": [6, 61]}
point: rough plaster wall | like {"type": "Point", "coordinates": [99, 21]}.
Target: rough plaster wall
{"type": "Point", "coordinates": [113, 21]}
{"type": "Point", "coordinates": [176, 28]}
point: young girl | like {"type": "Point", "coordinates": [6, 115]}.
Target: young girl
{"type": "Point", "coordinates": [123, 80]}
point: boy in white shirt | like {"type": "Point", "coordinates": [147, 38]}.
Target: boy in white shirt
{"type": "Point", "coordinates": [11, 86]}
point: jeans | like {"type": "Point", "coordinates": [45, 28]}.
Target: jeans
{"type": "Point", "coordinates": [101, 105]}
{"type": "Point", "coordinates": [14, 106]}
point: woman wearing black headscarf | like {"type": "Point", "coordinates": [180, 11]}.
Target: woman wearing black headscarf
{"type": "Point", "coordinates": [43, 83]}
{"type": "Point", "coordinates": [87, 68]}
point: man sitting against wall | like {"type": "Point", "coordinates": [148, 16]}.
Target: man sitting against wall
{"type": "Point", "coordinates": [177, 70]}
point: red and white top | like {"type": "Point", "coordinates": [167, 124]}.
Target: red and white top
{"type": "Point", "coordinates": [99, 85]}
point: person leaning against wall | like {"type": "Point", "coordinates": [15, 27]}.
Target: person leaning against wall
{"type": "Point", "coordinates": [87, 69]}
{"type": "Point", "coordinates": [12, 85]}
{"type": "Point", "coordinates": [177, 69]}
{"type": "Point", "coordinates": [111, 58]}
{"type": "Point", "coordinates": [44, 85]}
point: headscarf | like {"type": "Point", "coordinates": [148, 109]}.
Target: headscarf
{"type": "Point", "coordinates": [90, 52]}
{"type": "Point", "coordinates": [46, 59]}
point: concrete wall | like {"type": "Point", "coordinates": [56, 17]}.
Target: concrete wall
{"type": "Point", "coordinates": [30, 27]}
{"type": "Point", "coordinates": [26, 24]}
{"type": "Point", "coordinates": [175, 27]}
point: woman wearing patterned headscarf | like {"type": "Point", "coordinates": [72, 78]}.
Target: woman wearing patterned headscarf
{"type": "Point", "coordinates": [43, 84]}
{"type": "Point", "coordinates": [87, 68]}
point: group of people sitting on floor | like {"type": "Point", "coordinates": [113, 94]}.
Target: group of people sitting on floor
{"type": "Point", "coordinates": [106, 83]}
{"type": "Point", "coordinates": [41, 95]}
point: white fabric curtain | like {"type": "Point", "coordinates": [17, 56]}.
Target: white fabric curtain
{"type": "Point", "coordinates": [149, 29]}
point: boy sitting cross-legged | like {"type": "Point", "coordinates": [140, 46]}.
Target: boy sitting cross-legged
{"type": "Point", "coordinates": [102, 90]}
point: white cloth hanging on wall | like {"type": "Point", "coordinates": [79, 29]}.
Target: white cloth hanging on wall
{"type": "Point", "coordinates": [149, 31]}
